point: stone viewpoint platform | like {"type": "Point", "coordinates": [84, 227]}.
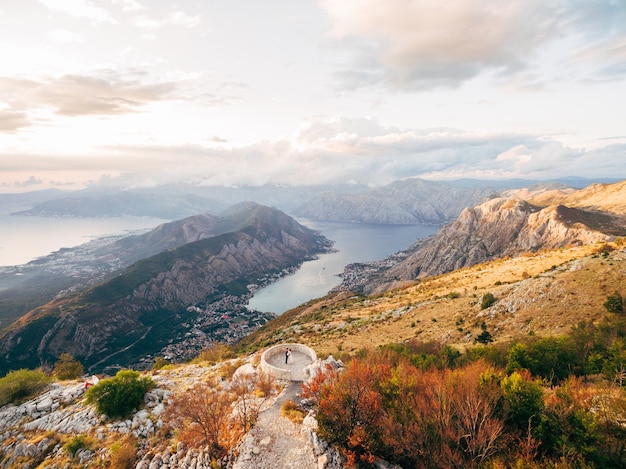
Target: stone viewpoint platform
{"type": "Point", "coordinates": [273, 361]}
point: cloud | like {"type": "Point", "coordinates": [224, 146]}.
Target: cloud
{"type": "Point", "coordinates": [31, 181]}
{"type": "Point", "coordinates": [426, 44]}
{"type": "Point", "coordinates": [74, 95]}
{"type": "Point", "coordinates": [335, 150]}
{"type": "Point", "coordinates": [129, 5]}
{"type": "Point", "coordinates": [10, 121]}
{"type": "Point", "coordinates": [80, 9]}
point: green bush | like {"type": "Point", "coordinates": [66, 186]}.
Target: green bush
{"type": "Point", "coordinates": [67, 367]}
{"type": "Point", "coordinates": [523, 400]}
{"type": "Point", "coordinates": [75, 444]}
{"type": "Point", "coordinates": [487, 301]}
{"type": "Point", "coordinates": [614, 303]}
{"type": "Point", "coordinates": [19, 385]}
{"type": "Point", "coordinates": [121, 395]}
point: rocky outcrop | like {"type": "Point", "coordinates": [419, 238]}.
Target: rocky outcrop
{"type": "Point", "coordinates": [35, 431]}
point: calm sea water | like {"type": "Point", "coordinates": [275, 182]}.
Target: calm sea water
{"type": "Point", "coordinates": [354, 242]}
{"type": "Point", "coordinates": [23, 239]}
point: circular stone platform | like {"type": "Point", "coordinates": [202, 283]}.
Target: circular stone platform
{"type": "Point", "coordinates": [273, 361]}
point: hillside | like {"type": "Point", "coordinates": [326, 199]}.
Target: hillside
{"type": "Point", "coordinates": [190, 295]}
{"type": "Point", "coordinates": [540, 294]}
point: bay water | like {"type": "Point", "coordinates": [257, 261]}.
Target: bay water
{"type": "Point", "coordinates": [25, 238]}
{"type": "Point", "coordinates": [354, 243]}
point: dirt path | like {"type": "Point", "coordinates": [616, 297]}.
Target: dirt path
{"type": "Point", "coordinates": [276, 442]}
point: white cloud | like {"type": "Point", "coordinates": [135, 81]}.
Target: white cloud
{"type": "Point", "coordinates": [72, 95]}
{"type": "Point", "coordinates": [433, 44]}
{"type": "Point", "coordinates": [336, 150]}
{"type": "Point", "coordinates": [129, 5]}
{"type": "Point", "coordinates": [80, 9]}
{"type": "Point", "coordinates": [10, 121]}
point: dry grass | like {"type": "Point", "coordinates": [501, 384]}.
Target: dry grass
{"type": "Point", "coordinates": [292, 411]}
{"type": "Point", "coordinates": [543, 294]}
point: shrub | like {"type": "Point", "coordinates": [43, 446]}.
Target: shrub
{"type": "Point", "coordinates": [614, 303]}
{"type": "Point", "coordinates": [202, 417]}
{"type": "Point", "coordinates": [160, 362]}
{"type": "Point", "coordinates": [75, 444]}
{"type": "Point", "coordinates": [19, 385]}
{"type": "Point", "coordinates": [215, 353]}
{"type": "Point", "coordinates": [121, 395]}
{"type": "Point", "coordinates": [487, 301]}
{"type": "Point", "coordinates": [124, 454]}
{"type": "Point", "coordinates": [67, 367]}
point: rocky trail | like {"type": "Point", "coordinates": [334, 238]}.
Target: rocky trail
{"type": "Point", "coordinates": [277, 442]}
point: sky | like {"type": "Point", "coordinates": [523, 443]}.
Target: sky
{"type": "Point", "coordinates": [139, 93]}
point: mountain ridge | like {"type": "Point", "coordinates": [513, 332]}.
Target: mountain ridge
{"type": "Point", "coordinates": [154, 295]}
{"type": "Point", "coordinates": [500, 227]}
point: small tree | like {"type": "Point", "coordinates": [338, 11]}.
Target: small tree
{"type": "Point", "coordinates": [121, 395]}
{"type": "Point", "coordinates": [487, 301]}
{"type": "Point", "coordinates": [202, 415]}
{"type": "Point", "coordinates": [19, 385]}
{"type": "Point", "coordinates": [485, 336]}
{"type": "Point", "coordinates": [523, 400]}
{"type": "Point", "coordinates": [67, 367]}
{"type": "Point", "coordinates": [614, 303]}
{"type": "Point", "coordinates": [251, 392]}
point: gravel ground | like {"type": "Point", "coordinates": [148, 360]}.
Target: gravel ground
{"type": "Point", "coordinates": [276, 442]}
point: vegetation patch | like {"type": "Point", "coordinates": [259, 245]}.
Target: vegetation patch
{"type": "Point", "coordinates": [119, 396]}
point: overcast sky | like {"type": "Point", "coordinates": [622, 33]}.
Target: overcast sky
{"type": "Point", "coordinates": [142, 92]}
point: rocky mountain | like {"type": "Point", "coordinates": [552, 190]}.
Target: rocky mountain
{"type": "Point", "coordinates": [411, 201]}
{"type": "Point", "coordinates": [170, 296]}
{"type": "Point", "coordinates": [499, 228]}
{"type": "Point", "coordinates": [72, 269]}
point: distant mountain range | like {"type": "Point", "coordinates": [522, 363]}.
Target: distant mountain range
{"type": "Point", "coordinates": [410, 201]}
{"type": "Point", "coordinates": [168, 296]}
{"type": "Point", "coordinates": [413, 201]}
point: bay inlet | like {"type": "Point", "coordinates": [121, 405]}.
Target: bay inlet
{"type": "Point", "coordinates": [353, 243]}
